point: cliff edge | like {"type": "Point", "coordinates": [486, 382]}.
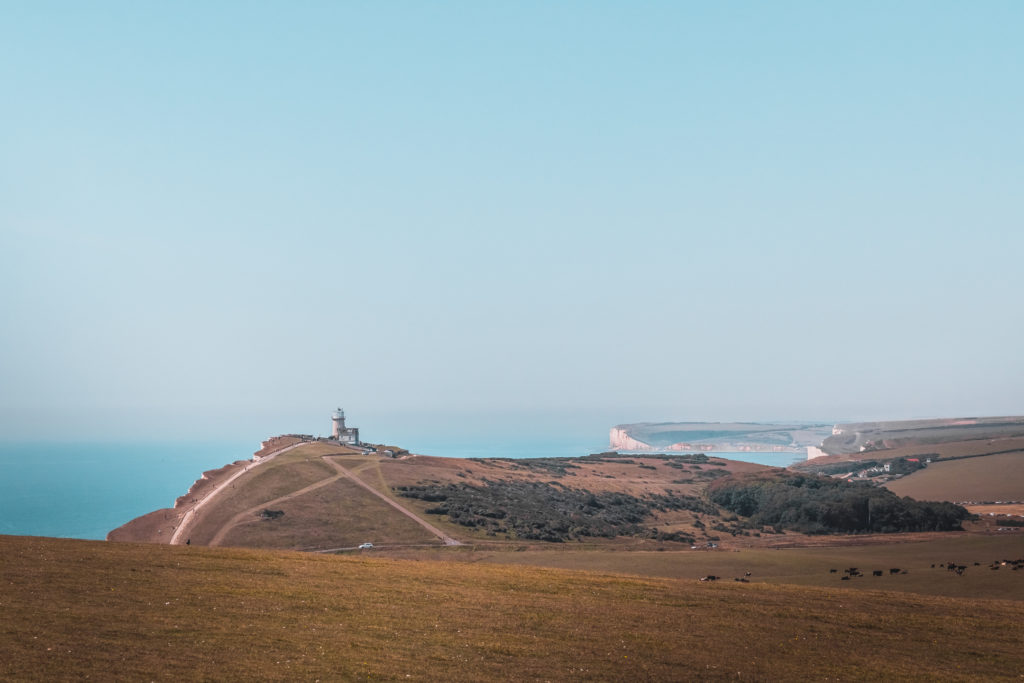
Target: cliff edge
{"type": "Point", "coordinates": [718, 436]}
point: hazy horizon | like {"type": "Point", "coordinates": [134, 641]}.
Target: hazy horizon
{"type": "Point", "coordinates": [226, 220]}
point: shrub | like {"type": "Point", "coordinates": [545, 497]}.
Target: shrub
{"type": "Point", "coordinates": [814, 504]}
{"type": "Point", "coordinates": [550, 512]}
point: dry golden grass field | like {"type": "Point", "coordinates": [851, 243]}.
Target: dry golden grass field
{"type": "Point", "coordinates": [124, 611]}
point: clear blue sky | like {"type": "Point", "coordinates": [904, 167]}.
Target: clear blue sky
{"type": "Point", "coordinates": [228, 218]}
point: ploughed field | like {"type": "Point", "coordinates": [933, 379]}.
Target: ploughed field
{"type": "Point", "coordinates": [126, 611]}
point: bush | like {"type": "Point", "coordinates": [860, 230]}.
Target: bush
{"type": "Point", "coordinates": [551, 512]}
{"type": "Point", "coordinates": [814, 504]}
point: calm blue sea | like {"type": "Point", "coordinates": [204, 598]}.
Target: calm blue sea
{"type": "Point", "coordinates": [83, 490]}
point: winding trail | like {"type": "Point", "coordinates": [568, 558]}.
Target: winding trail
{"type": "Point", "coordinates": [246, 515]}
{"type": "Point", "coordinates": [189, 518]}
{"type": "Point", "coordinates": [445, 538]}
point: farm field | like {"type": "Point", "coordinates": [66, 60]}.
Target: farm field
{"type": "Point", "coordinates": [986, 478]}
{"type": "Point", "coordinates": [950, 449]}
{"type": "Point", "coordinates": [125, 611]}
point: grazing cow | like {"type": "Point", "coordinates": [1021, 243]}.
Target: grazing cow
{"type": "Point", "coordinates": [894, 570]}
{"type": "Point", "coordinates": [832, 571]}
{"type": "Point", "coordinates": [877, 572]}
{"type": "Point", "coordinates": [844, 578]}
{"type": "Point", "coordinates": [709, 577]}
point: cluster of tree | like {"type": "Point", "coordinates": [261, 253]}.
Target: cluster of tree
{"type": "Point", "coordinates": [906, 465]}
{"type": "Point", "coordinates": [820, 505]}
{"type": "Point", "coordinates": [896, 465]}
{"type": "Point", "coordinates": [547, 511]}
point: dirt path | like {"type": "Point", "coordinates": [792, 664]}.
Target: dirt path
{"type": "Point", "coordinates": [189, 518]}
{"type": "Point", "coordinates": [246, 515]}
{"type": "Point", "coordinates": [445, 538]}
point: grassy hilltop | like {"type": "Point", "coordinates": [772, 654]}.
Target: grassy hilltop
{"type": "Point", "coordinates": [318, 496]}
{"type": "Point", "coordinates": [125, 611]}
{"type": "Point", "coordinates": [336, 497]}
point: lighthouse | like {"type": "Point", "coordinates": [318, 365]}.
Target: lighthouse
{"type": "Point", "coordinates": [341, 433]}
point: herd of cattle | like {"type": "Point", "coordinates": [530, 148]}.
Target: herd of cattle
{"type": "Point", "coordinates": [854, 571]}
{"type": "Point", "coordinates": [742, 579]}
{"type": "Point", "coordinates": [851, 572]}
{"type": "Point", "coordinates": [959, 569]}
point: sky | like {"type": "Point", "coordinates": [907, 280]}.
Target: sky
{"type": "Point", "coordinates": [227, 219]}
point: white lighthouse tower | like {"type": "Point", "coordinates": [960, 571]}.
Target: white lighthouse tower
{"type": "Point", "coordinates": [341, 433]}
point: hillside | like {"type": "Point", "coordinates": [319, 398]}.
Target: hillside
{"type": "Point", "coordinates": [317, 496]}
{"type": "Point", "coordinates": [980, 479]}
{"type": "Point", "coordinates": [975, 471]}
{"type": "Point", "coordinates": [875, 436]}
{"type": "Point", "coordinates": [124, 611]}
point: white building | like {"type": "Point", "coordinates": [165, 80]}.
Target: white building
{"type": "Point", "coordinates": [339, 432]}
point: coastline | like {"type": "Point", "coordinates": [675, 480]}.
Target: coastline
{"type": "Point", "coordinates": [166, 524]}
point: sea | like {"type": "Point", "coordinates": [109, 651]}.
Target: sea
{"type": "Point", "coordinates": [84, 490]}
